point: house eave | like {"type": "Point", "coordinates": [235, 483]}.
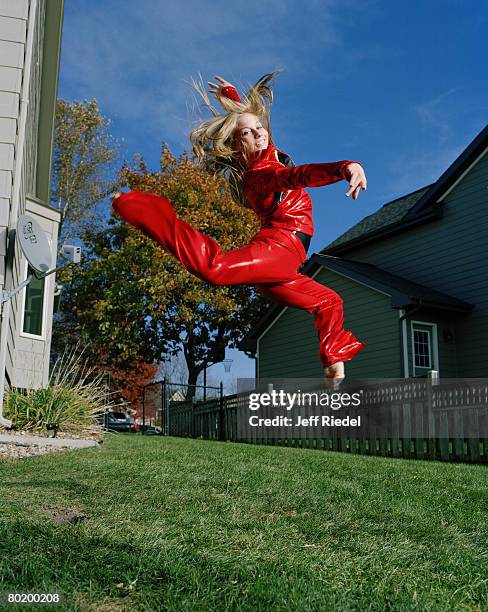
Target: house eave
{"type": "Point", "coordinates": [405, 301]}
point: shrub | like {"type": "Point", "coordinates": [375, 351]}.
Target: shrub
{"type": "Point", "coordinates": [75, 399]}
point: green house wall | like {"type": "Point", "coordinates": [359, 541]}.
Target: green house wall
{"type": "Point", "coordinates": [450, 255]}
{"type": "Point", "coordinates": [289, 348]}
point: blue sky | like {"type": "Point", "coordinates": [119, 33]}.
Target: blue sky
{"type": "Point", "coordinates": [399, 86]}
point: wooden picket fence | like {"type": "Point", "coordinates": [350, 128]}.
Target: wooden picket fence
{"type": "Point", "coordinates": [448, 422]}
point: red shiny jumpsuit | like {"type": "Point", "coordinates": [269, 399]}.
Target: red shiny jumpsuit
{"type": "Point", "coordinates": [271, 260]}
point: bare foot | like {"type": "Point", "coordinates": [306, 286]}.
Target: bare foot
{"type": "Point", "coordinates": [334, 374]}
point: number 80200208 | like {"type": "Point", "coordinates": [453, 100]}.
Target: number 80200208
{"type": "Point", "coordinates": [31, 598]}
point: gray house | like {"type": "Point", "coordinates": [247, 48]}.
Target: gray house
{"type": "Point", "coordinates": [414, 279]}
{"type": "Point", "coordinates": [30, 35]}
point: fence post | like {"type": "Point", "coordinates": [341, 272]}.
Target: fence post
{"type": "Point", "coordinates": [143, 410]}
{"type": "Point", "coordinates": [165, 407]}
{"type": "Point", "coordinates": [164, 419]}
{"type": "Point", "coordinates": [433, 433]}
{"type": "Point", "coordinates": [106, 384]}
{"type": "Point", "coordinates": [222, 432]}
{"type": "Point", "coordinates": [433, 377]}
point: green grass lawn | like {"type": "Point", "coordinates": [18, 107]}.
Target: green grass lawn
{"type": "Point", "coordinates": [149, 523]}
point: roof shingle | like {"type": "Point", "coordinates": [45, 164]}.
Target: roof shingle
{"type": "Point", "coordinates": [388, 214]}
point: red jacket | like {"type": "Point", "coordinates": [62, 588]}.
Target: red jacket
{"type": "Point", "coordinates": [274, 187]}
{"type": "Point", "coordinates": [276, 193]}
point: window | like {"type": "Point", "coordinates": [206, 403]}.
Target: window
{"type": "Point", "coordinates": [424, 347]}
{"type": "Point", "coordinates": [34, 306]}
{"type": "Point", "coordinates": [421, 348]}
{"type": "Point", "coordinates": [117, 416]}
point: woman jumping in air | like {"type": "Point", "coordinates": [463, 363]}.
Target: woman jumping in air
{"type": "Point", "coordinates": [265, 179]}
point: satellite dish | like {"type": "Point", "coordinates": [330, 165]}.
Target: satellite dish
{"type": "Point", "coordinates": [33, 243]}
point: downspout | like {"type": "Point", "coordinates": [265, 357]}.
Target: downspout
{"type": "Point", "coordinates": [403, 323]}
{"type": "Point", "coordinates": [14, 210]}
{"type": "Point", "coordinates": [256, 364]}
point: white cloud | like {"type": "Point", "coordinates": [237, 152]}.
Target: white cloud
{"type": "Point", "coordinates": [442, 132]}
{"type": "Point", "coordinates": [411, 172]}
{"type": "Point", "coordinates": [136, 58]}
{"type": "Point", "coordinates": [435, 113]}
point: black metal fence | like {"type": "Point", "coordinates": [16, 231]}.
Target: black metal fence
{"type": "Point", "coordinates": [163, 401]}
{"type": "Point", "coordinates": [413, 419]}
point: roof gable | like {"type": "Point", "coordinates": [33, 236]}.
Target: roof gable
{"type": "Point", "coordinates": [417, 207]}
{"type": "Point", "coordinates": [454, 173]}
{"type": "Point", "coordinates": [389, 213]}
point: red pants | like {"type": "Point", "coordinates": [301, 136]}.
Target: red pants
{"type": "Point", "coordinates": [269, 262]}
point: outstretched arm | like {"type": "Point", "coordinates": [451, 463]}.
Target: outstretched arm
{"type": "Point", "coordinates": [223, 89]}
{"type": "Point", "coordinates": [280, 178]}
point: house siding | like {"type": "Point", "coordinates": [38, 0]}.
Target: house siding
{"type": "Point", "coordinates": [5, 187]}
{"type": "Point", "coordinates": [450, 255]}
{"type": "Point", "coordinates": [11, 78]}
{"type": "Point", "coordinates": [13, 29]}
{"type": "Point", "coordinates": [290, 346]}
{"type": "Point", "coordinates": [6, 157]}
{"type": "Point", "coordinates": [14, 8]}
{"type": "Point", "coordinates": [27, 359]}
{"type": "Point", "coordinates": [13, 25]}
{"type": "Point", "coordinates": [381, 358]}
{"type": "Point", "coordinates": [12, 54]}
{"type": "Point", "coordinates": [13, 16]}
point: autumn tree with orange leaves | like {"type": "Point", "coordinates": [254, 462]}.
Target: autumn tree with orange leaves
{"type": "Point", "coordinates": [131, 299]}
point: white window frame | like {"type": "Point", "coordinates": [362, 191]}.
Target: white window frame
{"type": "Point", "coordinates": [433, 346]}
{"type": "Point", "coordinates": [22, 333]}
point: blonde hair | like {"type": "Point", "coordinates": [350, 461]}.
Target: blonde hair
{"type": "Point", "coordinates": [213, 140]}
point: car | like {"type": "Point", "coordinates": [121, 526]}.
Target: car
{"type": "Point", "coordinates": [118, 421]}
{"type": "Point", "coordinates": [150, 430]}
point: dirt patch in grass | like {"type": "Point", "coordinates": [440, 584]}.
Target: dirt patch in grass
{"type": "Point", "coordinates": [107, 604]}
{"type": "Point", "coordinates": [64, 516]}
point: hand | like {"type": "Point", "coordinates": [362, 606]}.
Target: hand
{"type": "Point", "coordinates": [215, 88]}
{"type": "Point", "coordinates": [357, 180]}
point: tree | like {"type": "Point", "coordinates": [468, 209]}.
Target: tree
{"type": "Point", "coordinates": [81, 178]}
{"type": "Point", "coordinates": [128, 383]}
{"type": "Point", "coordinates": [132, 299]}
{"type": "Point", "coordinates": [83, 173]}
